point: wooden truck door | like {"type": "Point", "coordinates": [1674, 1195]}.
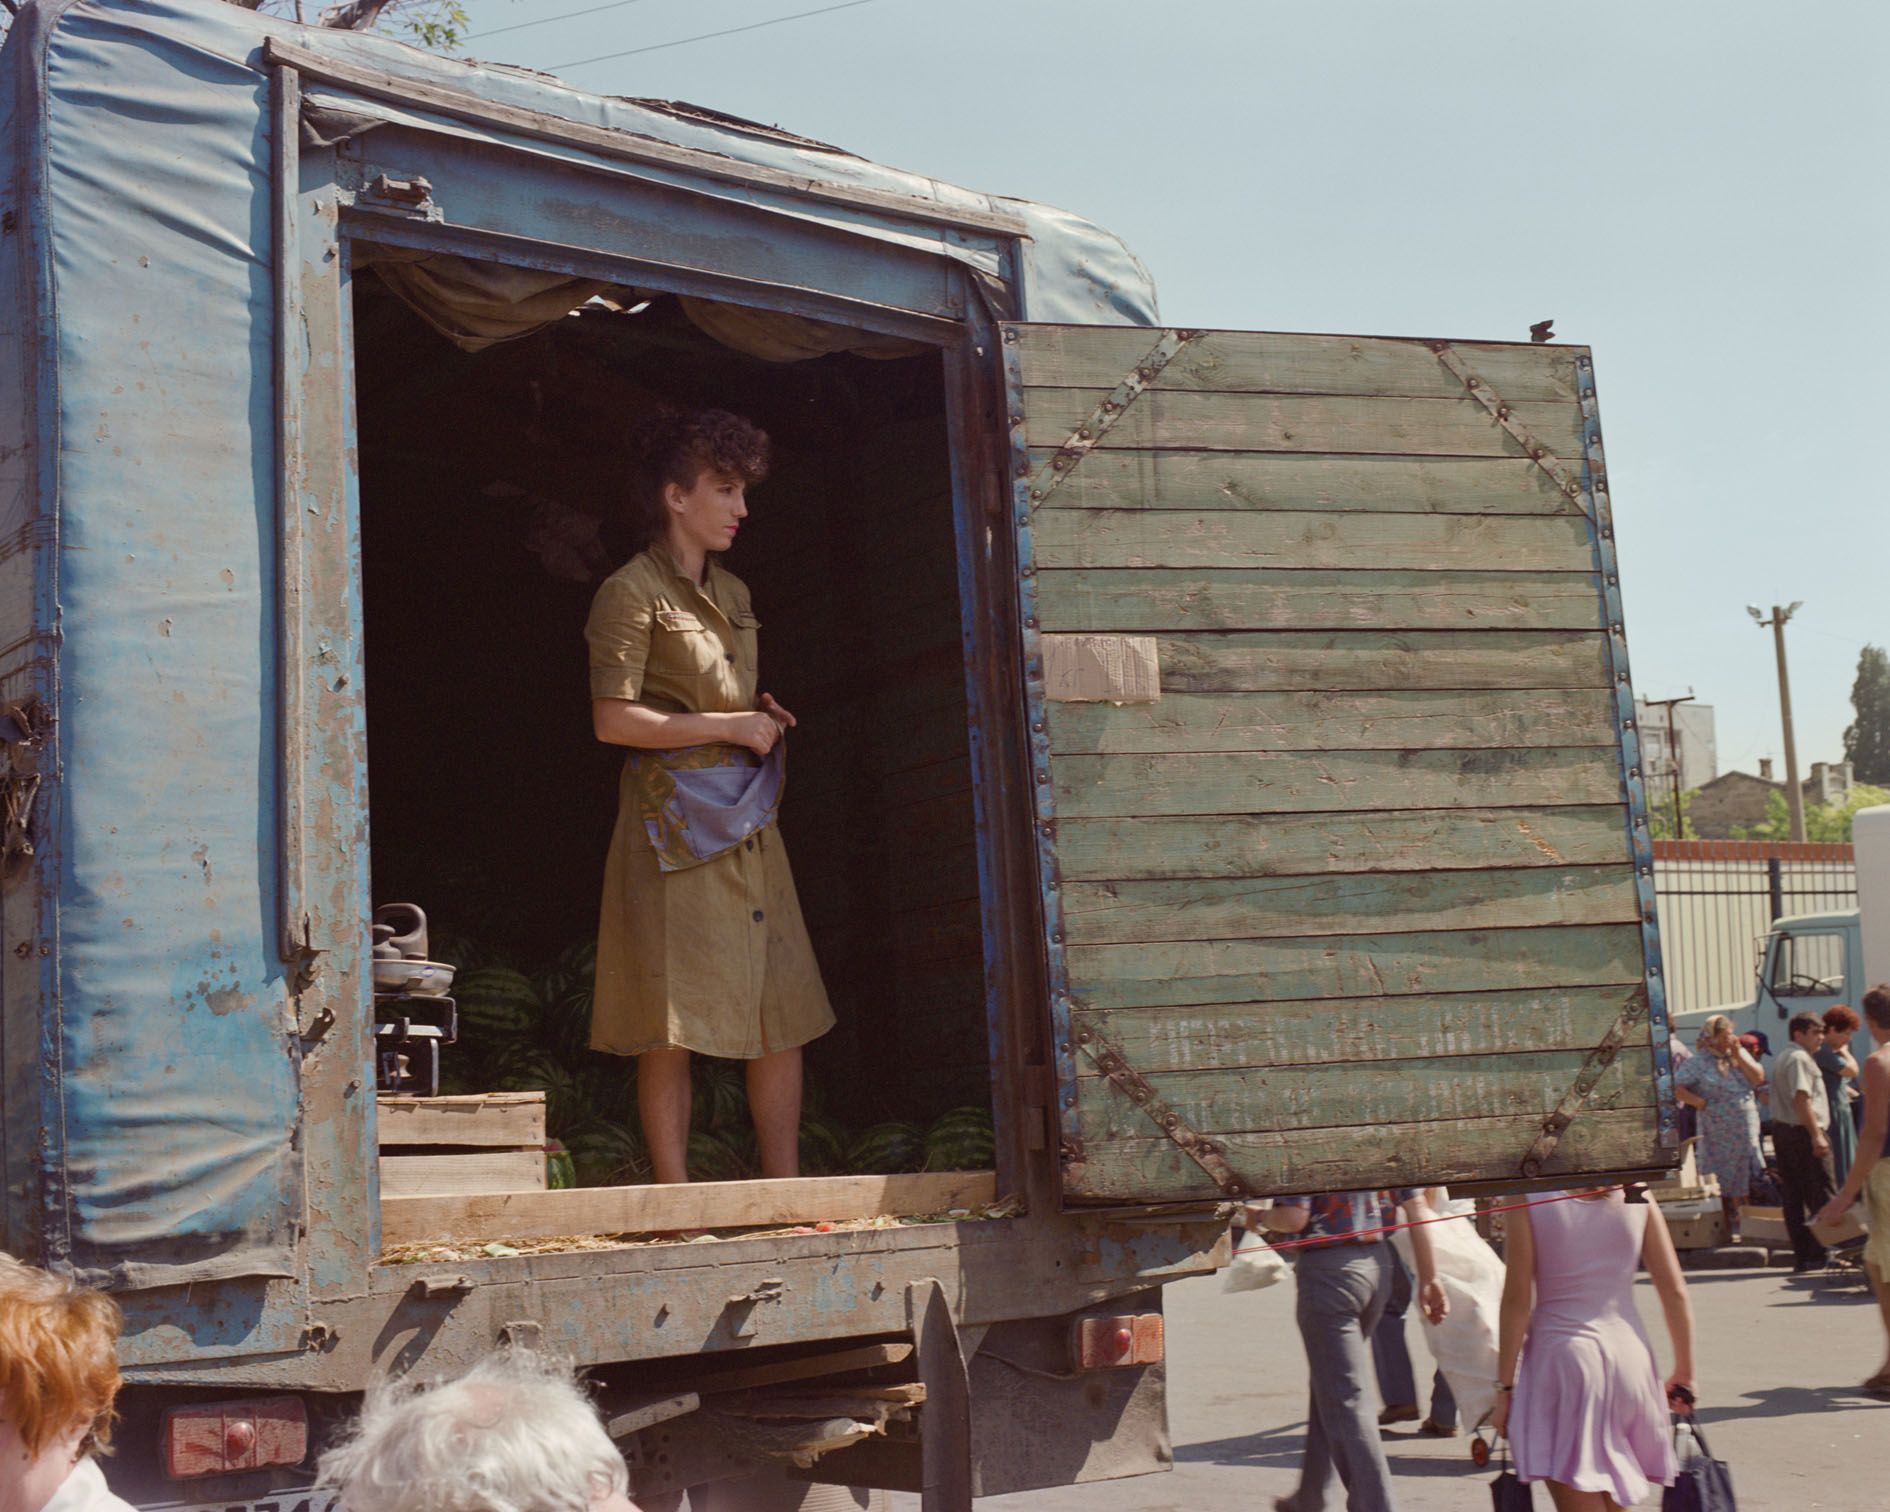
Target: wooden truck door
{"type": "Point", "coordinates": [1344, 864]}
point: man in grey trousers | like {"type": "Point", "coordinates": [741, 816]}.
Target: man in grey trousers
{"type": "Point", "coordinates": [1344, 1265]}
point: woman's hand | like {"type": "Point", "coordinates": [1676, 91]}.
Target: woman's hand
{"type": "Point", "coordinates": [1432, 1299]}
{"type": "Point", "coordinates": [1833, 1211]}
{"type": "Point", "coordinates": [1678, 1382]}
{"type": "Point", "coordinates": [758, 731]}
{"type": "Point", "coordinates": [775, 712]}
{"type": "Point", "coordinates": [1499, 1414]}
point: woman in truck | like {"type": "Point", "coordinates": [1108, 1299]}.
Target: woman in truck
{"type": "Point", "coordinates": [701, 946]}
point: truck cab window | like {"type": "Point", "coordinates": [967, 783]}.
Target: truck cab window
{"type": "Point", "coordinates": [1808, 965]}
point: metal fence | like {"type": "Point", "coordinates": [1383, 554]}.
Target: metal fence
{"type": "Point", "coordinates": [1717, 899]}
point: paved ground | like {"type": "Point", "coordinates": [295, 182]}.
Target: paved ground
{"type": "Point", "coordinates": [1778, 1362]}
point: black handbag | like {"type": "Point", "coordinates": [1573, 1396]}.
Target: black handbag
{"type": "Point", "coordinates": [1702, 1483]}
{"type": "Point", "coordinates": [1507, 1493]}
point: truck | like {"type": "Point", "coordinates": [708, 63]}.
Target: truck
{"type": "Point", "coordinates": [1217, 760]}
{"type": "Point", "coordinates": [1810, 962]}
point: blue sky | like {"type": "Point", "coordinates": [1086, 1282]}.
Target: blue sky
{"type": "Point", "coordinates": [1696, 191]}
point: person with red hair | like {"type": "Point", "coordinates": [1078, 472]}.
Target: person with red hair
{"type": "Point", "coordinates": [58, 1379]}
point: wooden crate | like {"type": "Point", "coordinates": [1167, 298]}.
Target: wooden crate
{"type": "Point", "coordinates": [1763, 1225]}
{"type": "Point", "coordinates": [443, 1146]}
{"type": "Point", "coordinates": [1695, 1225]}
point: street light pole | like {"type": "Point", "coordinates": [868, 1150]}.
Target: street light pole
{"type": "Point", "coordinates": [1794, 795]}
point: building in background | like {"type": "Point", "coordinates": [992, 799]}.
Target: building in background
{"type": "Point", "coordinates": [1738, 799]}
{"type": "Point", "coordinates": [1687, 749]}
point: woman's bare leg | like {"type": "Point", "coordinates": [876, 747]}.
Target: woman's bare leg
{"type": "Point", "coordinates": [1568, 1499]}
{"type": "Point", "coordinates": [663, 1096]}
{"type": "Point", "coordinates": [774, 1099]}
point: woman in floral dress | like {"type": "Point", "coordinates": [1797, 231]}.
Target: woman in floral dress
{"type": "Point", "coordinates": [1719, 1082]}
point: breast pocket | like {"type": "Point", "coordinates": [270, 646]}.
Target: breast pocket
{"type": "Point", "coordinates": [685, 646]}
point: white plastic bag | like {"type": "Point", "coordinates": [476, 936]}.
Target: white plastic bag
{"type": "Point", "coordinates": [1256, 1265]}
{"type": "Point", "coordinates": [1464, 1344]}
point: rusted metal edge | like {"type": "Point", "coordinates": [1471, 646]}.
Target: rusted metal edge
{"type": "Point", "coordinates": [630, 146]}
{"type": "Point", "coordinates": [1559, 471]}
{"type": "Point", "coordinates": [1114, 405]}
{"type": "Point", "coordinates": [295, 942]}
{"type": "Point", "coordinates": [1598, 1061]}
{"type": "Point", "coordinates": [1134, 1086]}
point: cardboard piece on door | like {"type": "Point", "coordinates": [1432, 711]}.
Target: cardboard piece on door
{"type": "Point", "coordinates": [1101, 669]}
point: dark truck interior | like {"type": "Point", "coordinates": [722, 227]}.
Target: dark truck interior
{"type": "Point", "coordinates": [492, 505]}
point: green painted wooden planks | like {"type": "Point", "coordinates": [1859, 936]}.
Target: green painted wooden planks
{"type": "Point", "coordinates": [1157, 479]}
{"type": "Point", "coordinates": [1417, 840]}
{"type": "Point", "coordinates": [1335, 1093]}
{"type": "Point", "coordinates": [1363, 1154]}
{"type": "Point", "coordinates": [1157, 973]}
{"type": "Point", "coordinates": [1246, 908]}
{"type": "Point", "coordinates": [1453, 719]}
{"type": "Point", "coordinates": [1135, 600]}
{"type": "Point", "coordinates": [1303, 423]}
{"type": "Point", "coordinates": [1179, 538]}
{"type": "Point", "coordinates": [1297, 782]}
{"type": "Point", "coordinates": [1360, 1031]}
{"type": "Point", "coordinates": [1242, 662]}
{"type": "Point", "coordinates": [1293, 362]}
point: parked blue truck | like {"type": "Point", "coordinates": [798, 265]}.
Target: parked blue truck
{"type": "Point", "coordinates": [1218, 754]}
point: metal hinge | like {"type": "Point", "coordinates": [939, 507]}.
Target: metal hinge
{"type": "Point", "coordinates": [1480, 390]}
{"type": "Point", "coordinates": [411, 196]}
{"type": "Point", "coordinates": [1114, 405]}
{"type": "Point", "coordinates": [1203, 1151]}
{"type": "Point", "coordinates": [1598, 1061]}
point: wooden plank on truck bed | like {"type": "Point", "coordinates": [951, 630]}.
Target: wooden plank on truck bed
{"type": "Point", "coordinates": [1392, 720]}
{"type": "Point", "coordinates": [696, 1205]}
{"type": "Point", "coordinates": [1287, 362]}
{"type": "Point", "coordinates": [484, 1118]}
{"type": "Point", "coordinates": [1115, 599]}
{"type": "Point", "coordinates": [1328, 541]}
{"type": "Point", "coordinates": [475, 1171]}
{"type": "Point", "coordinates": [1160, 480]}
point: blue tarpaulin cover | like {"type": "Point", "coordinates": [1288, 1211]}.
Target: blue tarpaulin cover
{"type": "Point", "coordinates": [149, 1059]}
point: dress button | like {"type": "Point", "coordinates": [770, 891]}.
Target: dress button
{"type": "Point", "coordinates": [749, 843]}
{"type": "Point", "coordinates": [757, 915]}
{"type": "Point", "coordinates": [731, 656]}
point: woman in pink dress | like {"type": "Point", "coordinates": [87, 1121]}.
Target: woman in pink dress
{"type": "Point", "coordinates": [1586, 1411]}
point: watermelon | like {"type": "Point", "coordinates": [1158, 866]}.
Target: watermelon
{"type": "Point", "coordinates": [567, 1025]}
{"type": "Point", "coordinates": [886, 1148]}
{"type": "Point", "coordinates": [572, 971]}
{"type": "Point", "coordinates": [823, 1146]}
{"type": "Point", "coordinates": [607, 1088]}
{"type": "Point", "coordinates": [721, 1096]}
{"type": "Point", "coordinates": [961, 1140]}
{"type": "Point", "coordinates": [713, 1159]}
{"type": "Point", "coordinates": [496, 1004]}
{"type": "Point", "coordinates": [606, 1153]}
{"type": "Point", "coordinates": [560, 1173]}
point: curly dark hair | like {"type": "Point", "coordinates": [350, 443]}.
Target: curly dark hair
{"type": "Point", "coordinates": [678, 446]}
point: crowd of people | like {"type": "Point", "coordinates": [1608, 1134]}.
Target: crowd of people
{"type": "Point", "coordinates": [1577, 1394]}
{"type": "Point", "coordinates": [1575, 1388]}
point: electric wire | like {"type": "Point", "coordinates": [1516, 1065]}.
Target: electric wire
{"type": "Point", "coordinates": [493, 31]}
{"type": "Point", "coordinates": [631, 52]}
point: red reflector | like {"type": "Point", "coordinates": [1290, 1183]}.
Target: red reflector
{"type": "Point", "coordinates": [220, 1437]}
{"type": "Point", "coordinates": [1123, 1339]}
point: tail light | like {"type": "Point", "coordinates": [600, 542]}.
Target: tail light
{"type": "Point", "coordinates": [1123, 1339]}
{"type": "Point", "coordinates": [218, 1438]}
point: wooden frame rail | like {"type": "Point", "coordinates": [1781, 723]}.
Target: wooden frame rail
{"type": "Point", "coordinates": [508, 1216]}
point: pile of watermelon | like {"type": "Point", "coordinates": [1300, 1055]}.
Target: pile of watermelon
{"type": "Point", "coordinates": [523, 1033]}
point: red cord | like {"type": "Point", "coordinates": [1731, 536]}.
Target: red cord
{"type": "Point", "coordinates": [1392, 1228]}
